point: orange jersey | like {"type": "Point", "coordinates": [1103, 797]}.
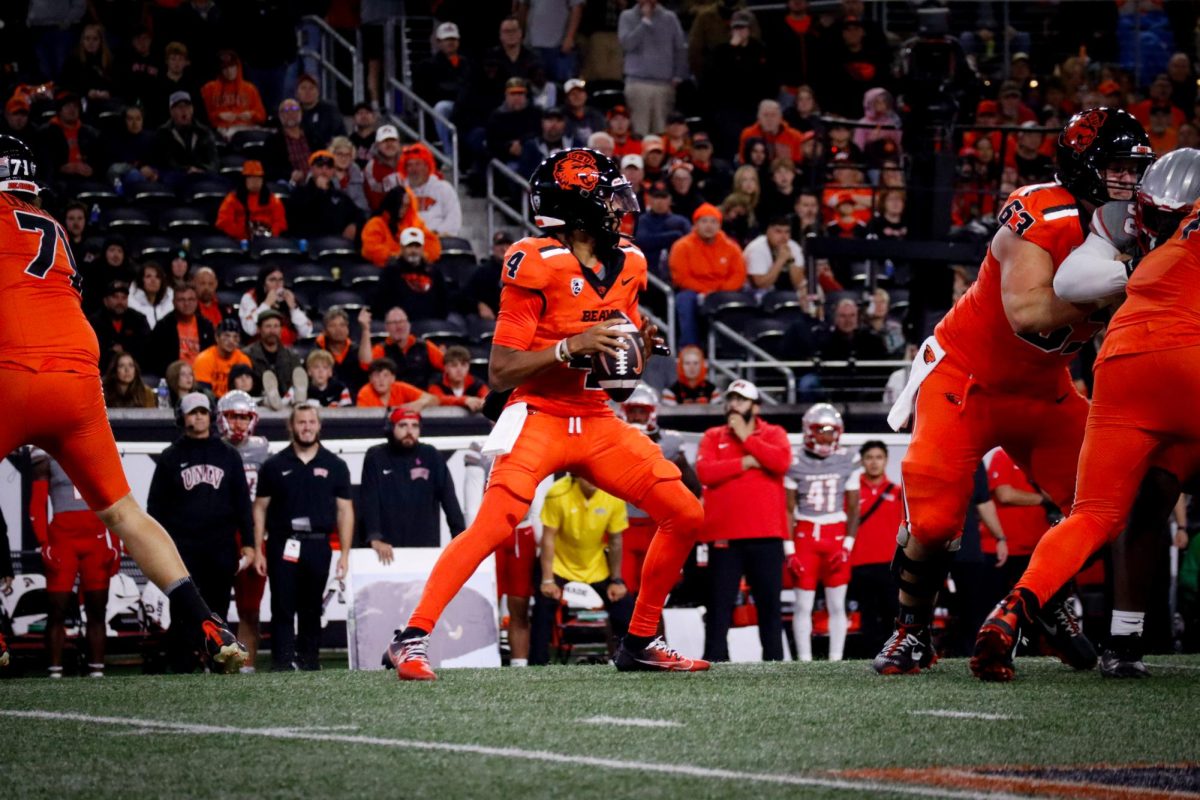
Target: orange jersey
{"type": "Point", "coordinates": [1162, 299]}
{"type": "Point", "coordinates": [548, 295]}
{"type": "Point", "coordinates": [977, 333]}
{"type": "Point", "coordinates": [42, 327]}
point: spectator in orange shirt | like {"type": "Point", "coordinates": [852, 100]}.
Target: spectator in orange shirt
{"type": "Point", "coordinates": [251, 209]}
{"type": "Point", "coordinates": [705, 260]}
{"type": "Point", "coordinates": [416, 360]}
{"type": "Point", "coordinates": [381, 234]}
{"type": "Point", "coordinates": [1164, 134]}
{"type": "Point", "coordinates": [1159, 94]}
{"type": "Point", "coordinates": [232, 102]}
{"type": "Point", "coordinates": [382, 390]}
{"type": "Point", "coordinates": [677, 139]}
{"type": "Point", "coordinates": [624, 142]}
{"type": "Point", "coordinates": [212, 366]}
{"type": "Point", "coordinates": [781, 139]}
{"type": "Point", "coordinates": [456, 385]}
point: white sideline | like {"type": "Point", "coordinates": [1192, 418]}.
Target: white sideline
{"type": "Point", "coordinates": [683, 770]}
{"type": "Point", "coordinates": [632, 722]}
{"type": "Point", "coordinates": [941, 712]}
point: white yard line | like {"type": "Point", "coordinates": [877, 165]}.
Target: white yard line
{"type": "Point", "coordinates": [941, 712]}
{"type": "Point", "coordinates": [1157, 665]}
{"type": "Point", "coordinates": [632, 722]}
{"type": "Point", "coordinates": [683, 770]}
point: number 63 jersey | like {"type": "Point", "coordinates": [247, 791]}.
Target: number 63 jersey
{"type": "Point", "coordinates": [821, 484]}
{"type": "Point", "coordinates": [42, 327]}
{"type": "Point", "coordinates": [977, 334]}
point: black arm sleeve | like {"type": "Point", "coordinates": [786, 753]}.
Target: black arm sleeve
{"type": "Point", "coordinates": [6, 564]}
{"type": "Point", "coordinates": [158, 501]}
{"type": "Point", "coordinates": [369, 495]}
{"type": "Point", "coordinates": [449, 500]}
{"type": "Point", "coordinates": [241, 499]}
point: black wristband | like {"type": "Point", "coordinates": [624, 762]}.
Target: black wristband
{"type": "Point", "coordinates": [617, 581]}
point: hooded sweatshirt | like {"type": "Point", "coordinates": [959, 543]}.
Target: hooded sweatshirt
{"type": "Point", "coordinates": [684, 390]}
{"type": "Point", "coordinates": [232, 97]}
{"type": "Point", "coordinates": [378, 243]}
{"type": "Point", "coordinates": [864, 136]}
{"type": "Point", "coordinates": [713, 266]}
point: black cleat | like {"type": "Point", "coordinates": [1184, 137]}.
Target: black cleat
{"type": "Point", "coordinates": [1062, 633]}
{"type": "Point", "coordinates": [1123, 658]}
{"type": "Point", "coordinates": [221, 646]}
{"type": "Point", "coordinates": [908, 651]}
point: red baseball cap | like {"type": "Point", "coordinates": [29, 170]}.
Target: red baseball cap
{"type": "Point", "coordinates": [398, 414]}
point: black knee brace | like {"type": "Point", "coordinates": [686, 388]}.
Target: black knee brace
{"type": "Point", "coordinates": [930, 574]}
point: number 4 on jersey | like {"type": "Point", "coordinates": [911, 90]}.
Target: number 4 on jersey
{"type": "Point", "coordinates": [50, 234]}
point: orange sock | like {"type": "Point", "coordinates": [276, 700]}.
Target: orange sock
{"type": "Point", "coordinates": [498, 515]}
{"type": "Point", "coordinates": [679, 517]}
{"type": "Point", "coordinates": [1062, 552]}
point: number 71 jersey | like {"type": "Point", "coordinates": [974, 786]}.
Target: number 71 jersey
{"type": "Point", "coordinates": [977, 334]}
{"type": "Point", "coordinates": [42, 327]}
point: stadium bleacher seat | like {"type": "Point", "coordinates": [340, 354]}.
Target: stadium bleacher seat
{"type": "Point", "coordinates": [276, 248]}
{"type": "Point", "coordinates": [315, 277]}
{"type": "Point", "coordinates": [183, 221]}
{"type": "Point", "coordinates": [456, 246]}
{"type": "Point", "coordinates": [348, 299]}
{"type": "Point", "coordinates": [249, 143]}
{"type": "Point", "coordinates": [444, 332]}
{"type": "Point", "coordinates": [95, 193]}
{"type": "Point", "coordinates": [481, 330]}
{"type": "Point", "coordinates": [229, 297]}
{"type": "Point", "coordinates": [231, 165]}
{"type": "Point", "coordinates": [766, 332]}
{"type": "Point", "coordinates": [899, 302]}
{"type": "Point", "coordinates": [238, 276]}
{"type": "Point", "coordinates": [156, 247]}
{"type": "Point", "coordinates": [362, 277]}
{"type": "Point", "coordinates": [151, 195]}
{"type": "Point", "coordinates": [124, 220]}
{"type": "Point", "coordinates": [729, 307]}
{"type": "Point", "coordinates": [331, 249]}
{"type": "Point", "coordinates": [216, 248]}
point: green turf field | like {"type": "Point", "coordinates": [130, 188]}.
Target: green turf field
{"type": "Point", "coordinates": [784, 730]}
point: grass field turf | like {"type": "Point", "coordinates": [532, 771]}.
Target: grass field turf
{"type": "Point", "coordinates": [815, 721]}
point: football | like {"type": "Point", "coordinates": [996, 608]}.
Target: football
{"type": "Point", "coordinates": [618, 375]}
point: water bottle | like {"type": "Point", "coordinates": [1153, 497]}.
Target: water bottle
{"type": "Point", "coordinates": [95, 215]}
{"type": "Point", "coordinates": [245, 243]}
{"type": "Point", "coordinates": [164, 393]}
{"type": "Point", "coordinates": [303, 245]}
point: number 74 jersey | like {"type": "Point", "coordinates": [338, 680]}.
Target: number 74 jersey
{"type": "Point", "coordinates": [42, 327]}
{"type": "Point", "coordinates": [977, 334]}
{"type": "Point", "coordinates": [821, 484]}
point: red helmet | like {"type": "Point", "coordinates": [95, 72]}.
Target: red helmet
{"type": "Point", "coordinates": [823, 429]}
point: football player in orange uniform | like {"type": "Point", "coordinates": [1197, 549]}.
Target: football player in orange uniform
{"type": "Point", "coordinates": [560, 295]}
{"type": "Point", "coordinates": [995, 374]}
{"type": "Point", "coordinates": [50, 392]}
{"type": "Point", "coordinates": [1132, 430]}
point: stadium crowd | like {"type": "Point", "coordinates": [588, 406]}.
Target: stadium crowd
{"type": "Point", "coordinates": [235, 230]}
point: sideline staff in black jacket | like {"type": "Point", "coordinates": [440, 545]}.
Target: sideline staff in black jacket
{"type": "Point", "coordinates": [200, 496]}
{"type": "Point", "coordinates": [403, 483]}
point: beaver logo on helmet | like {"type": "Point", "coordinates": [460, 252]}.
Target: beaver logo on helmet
{"type": "Point", "coordinates": [1083, 130]}
{"type": "Point", "coordinates": [578, 170]}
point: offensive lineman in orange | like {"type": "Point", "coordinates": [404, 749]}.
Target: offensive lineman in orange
{"type": "Point", "coordinates": [560, 294]}
{"type": "Point", "coordinates": [1153, 342]}
{"type": "Point", "coordinates": [995, 374]}
{"type": "Point", "coordinates": [50, 393]}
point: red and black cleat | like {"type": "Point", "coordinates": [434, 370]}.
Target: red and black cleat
{"type": "Point", "coordinates": [656, 657]}
{"type": "Point", "coordinates": [410, 658]}
{"type": "Point", "coordinates": [220, 645]}
{"type": "Point", "coordinates": [1062, 633]}
{"type": "Point", "coordinates": [997, 641]}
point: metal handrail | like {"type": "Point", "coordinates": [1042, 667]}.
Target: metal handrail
{"type": "Point", "coordinates": [764, 359]}
{"type": "Point", "coordinates": [669, 292]}
{"type": "Point", "coordinates": [816, 362]}
{"type": "Point", "coordinates": [497, 203]}
{"type": "Point", "coordinates": [328, 35]}
{"type": "Point", "coordinates": [423, 108]}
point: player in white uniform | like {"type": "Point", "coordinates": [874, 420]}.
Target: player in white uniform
{"type": "Point", "coordinates": [822, 494]}
{"type": "Point", "coordinates": [237, 416]}
{"type": "Point", "coordinates": [1121, 233]}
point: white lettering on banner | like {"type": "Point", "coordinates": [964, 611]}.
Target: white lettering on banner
{"type": "Point", "coordinates": [202, 473]}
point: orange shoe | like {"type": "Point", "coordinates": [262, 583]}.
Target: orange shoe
{"type": "Point", "coordinates": [410, 657]}
{"type": "Point", "coordinates": [997, 641]}
{"type": "Point", "coordinates": [222, 647]}
{"type": "Point", "coordinates": [656, 657]}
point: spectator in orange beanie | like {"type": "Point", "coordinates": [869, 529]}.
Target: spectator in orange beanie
{"type": "Point", "coordinates": [705, 260]}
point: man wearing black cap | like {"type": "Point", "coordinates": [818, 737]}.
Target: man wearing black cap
{"type": "Point", "coordinates": [484, 286]}
{"type": "Point", "coordinates": [658, 228]}
{"type": "Point", "coordinates": [199, 494]}
{"type": "Point", "coordinates": [118, 327]}
{"type": "Point", "coordinates": [183, 146]}
{"type": "Point", "coordinates": [512, 123]}
{"type": "Point", "coordinates": [213, 365]}
{"type": "Point", "coordinates": [553, 138]}
{"type": "Point", "coordinates": [276, 365]}
{"type": "Point", "coordinates": [712, 177]}
{"type": "Point", "coordinates": [405, 488]}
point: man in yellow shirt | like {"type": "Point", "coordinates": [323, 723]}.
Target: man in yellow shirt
{"type": "Point", "coordinates": [581, 541]}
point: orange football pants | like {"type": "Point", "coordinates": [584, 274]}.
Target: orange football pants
{"type": "Point", "coordinates": [63, 413]}
{"type": "Point", "coordinates": [603, 450]}
{"type": "Point", "coordinates": [1143, 413]}
{"type": "Point", "coordinates": [957, 421]}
